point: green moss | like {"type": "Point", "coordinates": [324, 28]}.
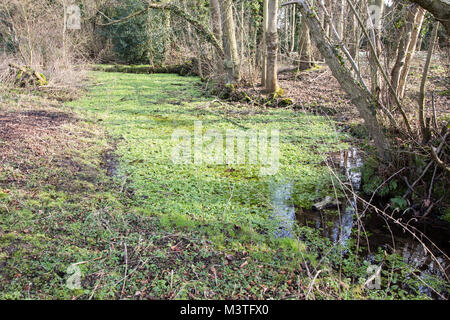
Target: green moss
{"type": "Point", "coordinates": [278, 93]}
{"type": "Point", "coordinates": [285, 102]}
{"type": "Point", "coordinates": [30, 77]}
{"type": "Point", "coordinates": [444, 93]}
{"type": "Point", "coordinates": [42, 80]}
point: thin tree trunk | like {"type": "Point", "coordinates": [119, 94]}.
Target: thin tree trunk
{"type": "Point", "coordinates": [330, 8]}
{"type": "Point", "coordinates": [419, 43]}
{"type": "Point", "coordinates": [340, 21]}
{"type": "Point", "coordinates": [232, 65]}
{"type": "Point", "coordinates": [305, 48]}
{"type": "Point", "coordinates": [402, 48]}
{"type": "Point", "coordinates": [353, 41]}
{"type": "Point", "coordinates": [292, 48]}
{"type": "Point", "coordinates": [264, 45]}
{"type": "Point", "coordinates": [423, 127]}
{"type": "Point", "coordinates": [272, 47]}
{"type": "Point", "coordinates": [216, 23]}
{"type": "Point", "coordinates": [411, 51]}
{"type": "Point", "coordinates": [166, 40]}
{"type": "Point", "coordinates": [376, 40]}
{"type": "Point", "coordinates": [150, 41]}
{"type": "Point", "coordinates": [286, 29]}
{"type": "Point", "coordinates": [242, 29]}
{"type": "Point", "coordinates": [189, 29]}
{"type": "Point", "coordinates": [216, 19]}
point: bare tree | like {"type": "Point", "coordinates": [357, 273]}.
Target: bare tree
{"type": "Point", "coordinates": [305, 49]}
{"type": "Point", "coordinates": [376, 40]}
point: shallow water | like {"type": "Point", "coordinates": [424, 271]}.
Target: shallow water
{"type": "Point", "coordinates": [283, 209]}
{"type": "Point", "coordinates": [337, 224]}
{"type": "Point", "coordinates": [337, 229]}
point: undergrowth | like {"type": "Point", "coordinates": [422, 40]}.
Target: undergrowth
{"type": "Point", "coordinates": [155, 229]}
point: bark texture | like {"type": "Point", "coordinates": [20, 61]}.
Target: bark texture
{"type": "Point", "coordinates": [272, 47]}
{"type": "Point", "coordinates": [231, 62]}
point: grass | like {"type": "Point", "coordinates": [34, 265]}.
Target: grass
{"type": "Point", "coordinates": [158, 230]}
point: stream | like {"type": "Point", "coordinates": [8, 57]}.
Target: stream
{"type": "Point", "coordinates": [337, 225]}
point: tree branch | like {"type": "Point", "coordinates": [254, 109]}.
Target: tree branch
{"type": "Point", "coordinates": [440, 9]}
{"type": "Point", "coordinates": [202, 30]}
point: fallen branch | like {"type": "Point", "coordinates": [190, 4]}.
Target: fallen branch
{"type": "Point", "coordinates": [33, 74]}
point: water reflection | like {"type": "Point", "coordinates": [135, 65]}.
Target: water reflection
{"type": "Point", "coordinates": [283, 209]}
{"type": "Point", "coordinates": [337, 223]}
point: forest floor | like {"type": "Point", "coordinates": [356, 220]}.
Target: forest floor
{"type": "Point", "coordinates": [89, 192]}
{"type": "Point", "coordinates": [316, 90]}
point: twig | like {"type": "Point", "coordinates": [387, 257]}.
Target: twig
{"type": "Point", "coordinates": [126, 268]}
{"type": "Point", "coordinates": [406, 228]}
{"type": "Point", "coordinates": [432, 183]}
{"type": "Point", "coordinates": [312, 283]}
{"type": "Point", "coordinates": [434, 155]}
{"type": "Point", "coordinates": [433, 107]}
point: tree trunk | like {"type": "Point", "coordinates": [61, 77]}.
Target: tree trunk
{"type": "Point", "coordinates": [305, 49]}
{"type": "Point", "coordinates": [167, 41]}
{"type": "Point", "coordinates": [353, 41]}
{"type": "Point", "coordinates": [340, 21]}
{"type": "Point", "coordinates": [286, 30]}
{"type": "Point", "coordinates": [272, 47]}
{"type": "Point", "coordinates": [404, 43]}
{"type": "Point", "coordinates": [327, 20]}
{"type": "Point", "coordinates": [150, 41]}
{"type": "Point", "coordinates": [231, 63]}
{"type": "Point", "coordinates": [417, 25]}
{"type": "Point", "coordinates": [439, 8]}
{"type": "Point", "coordinates": [423, 127]}
{"type": "Point", "coordinates": [216, 19]}
{"type": "Point", "coordinates": [241, 37]}
{"type": "Point", "coordinates": [264, 44]}
{"type": "Point", "coordinates": [216, 24]}
{"type": "Point", "coordinates": [376, 40]}
{"type": "Point", "coordinates": [292, 48]}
